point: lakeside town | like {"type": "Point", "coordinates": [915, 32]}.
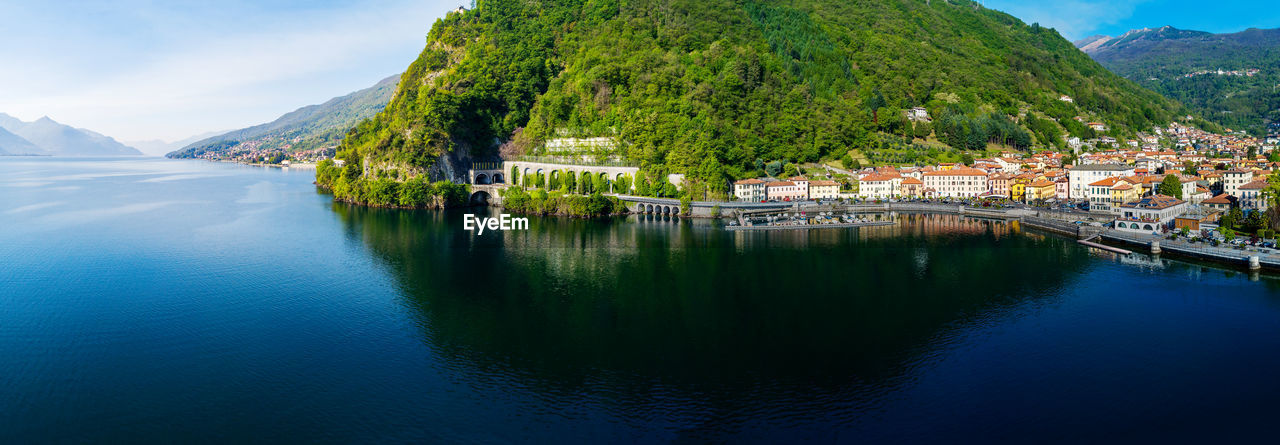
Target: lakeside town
{"type": "Point", "coordinates": [1176, 179]}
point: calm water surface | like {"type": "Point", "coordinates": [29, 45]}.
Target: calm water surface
{"type": "Point", "coordinates": [170, 301]}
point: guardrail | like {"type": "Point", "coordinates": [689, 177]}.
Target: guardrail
{"type": "Point", "coordinates": [1223, 254]}
{"type": "Point", "coordinates": [574, 161]}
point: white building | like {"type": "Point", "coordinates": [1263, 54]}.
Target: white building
{"type": "Point", "coordinates": [1081, 176]}
{"type": "Point", "coordinates": [750, 190]}
{"type": "Point", "coordinates": [958, 182]}
{"type": "Point", "coordinates": [876, 186]}
{"type": "Point", "coordinates": [1251, 196]}
{"type": "Point", "coordinates": [1150, 214]}
{"type": "Point", "coordinates": [1232, 180]}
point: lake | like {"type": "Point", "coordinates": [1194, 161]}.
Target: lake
{"type": "Point", "coordinates": [150, 300]}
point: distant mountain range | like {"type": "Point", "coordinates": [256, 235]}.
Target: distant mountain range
{"type": "Point", "coordinates": [46, 137]}
{"type": "Point", "coordinates": [1231, 79]}
{"type": "Point", "coordinates": [307, 128]}
{"type": "Point", "coordinates": [12, 144]}
{"type": "Point", "coordinates": [159, 148]}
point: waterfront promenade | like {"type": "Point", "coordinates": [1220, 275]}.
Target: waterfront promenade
{"type": "Point", "coordinates": [1267, 258]}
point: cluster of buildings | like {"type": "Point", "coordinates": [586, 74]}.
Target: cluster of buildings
{"type": "Point", "coordinates": [1124, 184]}
{"type": "Point", "coordinates": [798, 188]}
{"type": "Point", "coordinates": [267, 149]}
{"type": "Point", "coordinates": [1221, 72]}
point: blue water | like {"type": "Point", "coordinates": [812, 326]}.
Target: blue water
{"type": "Point", "coordinates": [181, 301]}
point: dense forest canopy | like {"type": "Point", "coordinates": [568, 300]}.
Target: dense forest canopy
{"type": "Point", "coordinates": [711, 88]}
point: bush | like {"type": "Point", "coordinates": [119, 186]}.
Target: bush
{"type": "Point", "coordinates": [382, 192]}
{"type": "Point", "coordinates": [415, 192]}
{"type": "Point", "coordinates": [541, 203]}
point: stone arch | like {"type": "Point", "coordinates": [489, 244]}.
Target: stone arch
{"type": "Point", "coordinates": [650, 209]}
{"type": "Point", "coordinates": [480, 198]}
{"type": "Point", "coordinates": [482, 178]}
{"type": "Point", "coordinates": [1148, 227]}
{"type": "Point", "coordinates": [666, 210]}
{"type": "Point", "coordinates": [498, 179]}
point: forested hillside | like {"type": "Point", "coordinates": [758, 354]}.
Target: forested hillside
{"type": "Point", "coordinates": [307, 128]}
{"type": "Point", "coordinates": [1230, 79]}
{"type": "Point", "coordinates": [715, 88]}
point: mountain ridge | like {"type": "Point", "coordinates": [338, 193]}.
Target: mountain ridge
{"type": "Point", "coordinates": [54, 138]}
{"type": "Point", "coordinates": [12, 144]}
{"type": "Point", "coordinates": [712, 89]}
{"type": "Point", "coordinates": [306, 128]}
{"type": "Point", "coordinates": [1228, 78]}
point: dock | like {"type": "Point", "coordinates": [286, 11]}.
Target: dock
{"type": "Point", "coordinates": [810, 226]}
{"type": "Point", "coordinates": [1104, 247]}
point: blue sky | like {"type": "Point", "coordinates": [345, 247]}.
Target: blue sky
{"type": "Point", "coordinates": [140, 70]}
{"type": "Point", "coordinates": [1076, 19]}
{"type": "Point", "coordinates": [151, 69]}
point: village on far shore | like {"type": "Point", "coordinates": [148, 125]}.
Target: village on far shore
{"type": "Point", "coordinates": [1177, 178]}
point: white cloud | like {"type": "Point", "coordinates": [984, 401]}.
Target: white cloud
{"type": "Point", "coordinates": [181, 75]}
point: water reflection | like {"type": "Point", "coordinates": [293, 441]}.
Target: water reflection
{"type": "Point", "coordinates": [686, 303]}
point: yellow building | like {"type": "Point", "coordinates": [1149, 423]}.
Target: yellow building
{"type": "Point", "coordinates": [1018, 185]}
{"type": "Point", "coordinates": [1041, 190]}
{"type": "Point", "coordinates": [1123, 193]}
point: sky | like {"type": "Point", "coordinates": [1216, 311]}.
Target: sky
{"type": "Point", "coordinates": [167, 70]}
{"type": "Point", "coordinates": [1077, 19]}
{"type": "Point", "coordinates": [149, 69]}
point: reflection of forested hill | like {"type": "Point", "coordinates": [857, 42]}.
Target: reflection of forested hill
{"type": "Point", "coordinates": [678, 303]}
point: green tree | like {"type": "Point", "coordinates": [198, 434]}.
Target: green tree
{"type": "Point", "coordinates": [623, 184]}
{"type": "Point", "coordinates": [1170, 186]}
{"type": "Point", "coordinates": [1232, 219]}
{"type": "Point", "coordinates": [790, 170]}
{"type": "Point", "coordinates": [773, 168]}
{"type": "Point", "coordinates": [570, 182]}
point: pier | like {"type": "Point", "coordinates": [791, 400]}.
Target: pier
{"type": "Point", "coordinates": [810, 226]}
{"type": "Point", "coordinates": [1251, 259]}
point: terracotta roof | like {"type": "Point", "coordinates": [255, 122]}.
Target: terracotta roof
{"type": "Point", "coordinates": [1155, 202]}
{"type": "Point", "coordinates": [752, 181]}
{"type": "Point", "coordinates": [1123, 186]}
{"type": "Point", "coordinates": [1108, 182]}
{"type": "Point", "coordinates": [912, 181]}
{"type": "Point", "coordinates": [958, 171]}
{"type": "Point", "coordinates": [780, 184]}
{"type": "Point", "coordinates": [1042, 183]}
{"type": "Point", "coordinates": [1220, 199]}
{"type": "Point", "coordinates": [1255, 185]}
{"type": "Point", "coordinates": [878, 178]}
